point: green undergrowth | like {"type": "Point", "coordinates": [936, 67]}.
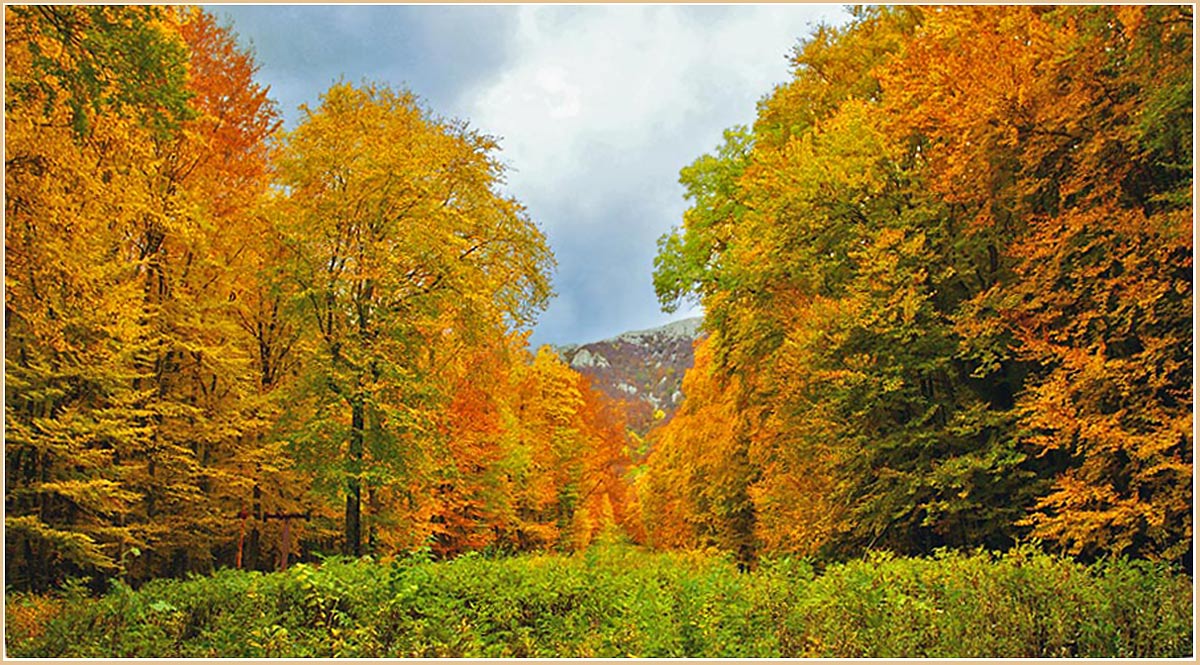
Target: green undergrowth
{"type": "Point", "coordinates": [615, 601]}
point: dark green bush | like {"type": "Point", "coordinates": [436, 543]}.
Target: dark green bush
{"type": "Point", "coordinates": [615, 601]}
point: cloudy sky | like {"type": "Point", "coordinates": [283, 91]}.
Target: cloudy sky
{"type": "Point", "coordinates": [597, 108]}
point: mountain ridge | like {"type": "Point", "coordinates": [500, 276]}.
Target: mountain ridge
{"type": "Point", "coordinates": [641, 368]}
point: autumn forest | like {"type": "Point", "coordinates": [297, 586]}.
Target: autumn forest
{"type": "Point", "coordinates": [947, 285]}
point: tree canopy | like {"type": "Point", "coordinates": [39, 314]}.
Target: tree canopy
{"type": "Point", "coordinates": [947, 280]}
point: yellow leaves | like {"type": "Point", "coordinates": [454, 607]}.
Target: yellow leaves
{"type": "Point", "coordinates": [98, 496]}
{"type": "Point", "coordinates": [137, 328]}
{"type": "Point", "coordinates": [852, 145]}
{"type": "Point", "coordinates": [407, 205]}
{"type": "Point", "coordinates": [842, 157]}
{"type": "Point", "coordinates": [77, 548]}
{"type": "Point", "coordinates": [131, 254]}
{"type": "Point", "coordinates": [389, 216]}
{"type": "Point", "coordinates": [792, 504]}
{"type": "Point", "coordinates": [972, 81]}
{"type": "Point", "coordinates": [693, 491]}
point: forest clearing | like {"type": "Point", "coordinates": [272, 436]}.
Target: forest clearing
{"type": "Point", "coordinates": [615, 601]}
{"type": "Point", "coordinates": [270, 391]}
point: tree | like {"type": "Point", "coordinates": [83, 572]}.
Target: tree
{"type": "Point", "coordinates": [695, 491]}
{"type": "Point", "coordinates": [605, 503]}
{"type": "Point", "coordinates": [397, 236]}
{"type": "Point", "coordinates": [945, 278]}
{"type": "Point", "coordinates": [210, 181]}
{"type": "Point", "coordinates": [88, 91]}
{"type": "Point", "coordinates": [472, 489]}
{"type": "Point", "coordinates": [222, 159]}
{"type": "Point", "coordinates": [1076, 160]}
{"type": "Point", "coordinates": [150, 127]}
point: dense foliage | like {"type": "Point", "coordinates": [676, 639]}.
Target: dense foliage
{"type": "Point", "coordinates": [616, 601]}
{"type": "Point", "coordinates": [948, 280]}
{"type": "Point", "coordinates": [230, 345]}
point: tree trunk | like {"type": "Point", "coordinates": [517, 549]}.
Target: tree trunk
{"type": "Point", "coordinates": [353, 484]}
{"type": "Point", "coordinates": [256, 512]}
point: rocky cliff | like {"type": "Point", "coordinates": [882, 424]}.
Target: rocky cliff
{"type": "Point", "coordinates": [643, 368]}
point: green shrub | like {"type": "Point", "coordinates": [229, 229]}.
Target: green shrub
{"type": "Point", "coordinates": [617, 600]}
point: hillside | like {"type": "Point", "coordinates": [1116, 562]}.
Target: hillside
{"type": "Point", "coordinates": [643, 368]}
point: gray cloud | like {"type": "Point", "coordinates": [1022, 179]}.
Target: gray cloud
{"type": "Point", "coordinates": [439, 53]}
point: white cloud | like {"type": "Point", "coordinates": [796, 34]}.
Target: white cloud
{"type": "Point", "coordinates": [651, 86]}
{"type": "Point", "coordinates": [563, 95]}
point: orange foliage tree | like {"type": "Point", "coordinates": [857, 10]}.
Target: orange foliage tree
{"type": "Point", "coordinates": [949, 269]}
{"type": "Point", "coordinates": [695, 489]}
{"type": "Point", "coordinates": [1073, 148]}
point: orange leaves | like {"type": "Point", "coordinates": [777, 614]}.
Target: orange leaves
{"type": "Point", "coordinates": [1029, 114]}
{"type": "Point", "coordinates": [954, 302]}
{"type": "Point", "coordinates": [472, 499]}
{"type": "Point", "coordinates": [527, 455]}
{"type": "Point", "coordinates": [1098, 308]}
{"type": "Point", "coordinates": [224, 149]}
{"type": "Point", "coordinates": [694, 491]}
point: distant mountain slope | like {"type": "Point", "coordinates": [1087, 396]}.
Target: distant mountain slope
{"type": "Point", "coordinates": [643, 368]}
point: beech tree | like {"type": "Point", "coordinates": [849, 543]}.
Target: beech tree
{"type": "Point", "coordinates": [1077, 165]}
{"type": "Point", "coordinates": [210, 328]}
{"type": "Point", "coordinates": [398, 238]}
{"type": "Point", "coordinates": [106, 167]}
{"type": "Point", "coordinates": [948, 269]}
{"type": "Point", "coordinates": [695, 490]}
